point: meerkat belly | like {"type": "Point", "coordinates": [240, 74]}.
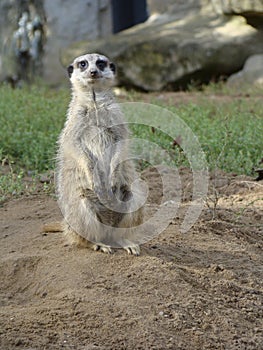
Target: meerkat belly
{"type": "Point", "coordinates": [90, 159]}
{"type": "Point", "coordinates": [91, 178]}
{"type": "Point", "coordinates": [104, 148]}
{"type": "Point", "coordinates": [101, 142]}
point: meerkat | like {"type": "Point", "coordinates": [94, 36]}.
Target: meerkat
{"type": "Point", "coordinates": [94, 176]}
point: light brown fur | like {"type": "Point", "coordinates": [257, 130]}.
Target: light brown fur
{"type": "Point", "coordinates": [93, 169]}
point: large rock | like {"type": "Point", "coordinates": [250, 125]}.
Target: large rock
{"type": "Point", "coordinates": [238, 6]}
{"type": "Point", "coordinates": [251, 74]}
{"type": "Point", "coordinates": [174, 6]}
{"type": "Point", "coordinates": [172, 51]}
{"type": "Point", "coordinates": [252, 10]}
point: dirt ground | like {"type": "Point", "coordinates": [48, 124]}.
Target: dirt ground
{"type": "Point", "coordinates": [199, 290]}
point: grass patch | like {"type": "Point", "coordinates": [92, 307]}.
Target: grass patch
{"type": "Point", "coordinates": [229, 130]}
{"type": "Point", "coordinates": [11, 184]}
{"type": "Point", "coordinates": [31, 119]}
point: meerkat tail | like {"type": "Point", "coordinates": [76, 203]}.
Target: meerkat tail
{"type": "Point", "coordinates": [53, 227]}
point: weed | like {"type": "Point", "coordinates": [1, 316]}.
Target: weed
{"type": "Point", "coordinates": [31, 120]}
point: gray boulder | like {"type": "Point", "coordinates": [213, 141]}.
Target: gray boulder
{"type": "Point", "coordinates": [251, 74]}
{"type": "Point", "coordinates": [252, 10]}
{"type": "Point", "coordinates": [172, 51]}
{"type": "Point", "coordinates": [175, 6]}
{"type": "Point", "coordinates": [238, 6]}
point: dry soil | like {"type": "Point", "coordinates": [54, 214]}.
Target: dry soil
{"type": "Point", "coordinates": [199, 290]}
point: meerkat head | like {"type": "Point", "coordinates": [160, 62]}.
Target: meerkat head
{"type": "Point", "coordinates": [92, 70]}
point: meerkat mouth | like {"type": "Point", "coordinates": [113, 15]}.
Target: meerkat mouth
{"type": "Point", "coordinates": [94, 80]}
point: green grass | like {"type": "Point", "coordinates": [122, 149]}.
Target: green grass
{"type": "Point", "coordinates": [11, 184]}
{"type": "Point", "coordinates": [229, 130]}
{"type": "Point", "coordinates": [230, 133]}
{"type": "Point", "coordinates": [31, 120]}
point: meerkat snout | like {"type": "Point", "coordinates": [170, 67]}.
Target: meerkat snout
{"type": "Point", "coordinates": [94, 73]}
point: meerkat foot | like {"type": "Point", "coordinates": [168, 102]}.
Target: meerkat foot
{"type": "Point", "coordinates": [133, 249]}
{"type": "Point", "coordinates": [102, 248]}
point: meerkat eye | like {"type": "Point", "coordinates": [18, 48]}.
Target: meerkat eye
{"type": "Point", "coordinates": [83, 64]}
{"type": "Point", "coordinates": [101, 64]}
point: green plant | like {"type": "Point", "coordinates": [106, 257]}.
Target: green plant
{"type": "Point", "coordinates": [31, 120]}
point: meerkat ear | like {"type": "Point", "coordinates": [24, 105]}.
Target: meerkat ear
{"type": "Point", "coordinates": [70, 70]}
{"type": "Point", "coordinates": [113, 67]}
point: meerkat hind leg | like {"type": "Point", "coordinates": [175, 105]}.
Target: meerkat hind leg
{"type": "Point", "coordinates": [75, 239]}
{"type": "Point", "coordinates": [126, 243]}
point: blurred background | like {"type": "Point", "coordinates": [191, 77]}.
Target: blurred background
{"type": "Point", "coordinates": [157, 45]}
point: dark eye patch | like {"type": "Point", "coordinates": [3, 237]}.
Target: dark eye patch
{"type": "Point", "coordinates": [101, 64]}
{"type": "Point", "coordinates": [113, 67]}
{"type": "Point", "coordinates": [70, 70]}
{"type": "Point", "coordinates": [83, 64]}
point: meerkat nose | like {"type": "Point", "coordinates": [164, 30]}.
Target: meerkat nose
{"type": "Point", "coordinates": [93, 73]}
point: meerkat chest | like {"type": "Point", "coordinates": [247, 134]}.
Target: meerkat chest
{"type": "Point", "coordinates": [100, 138]}
{"type": "Point", "coordinates": [99, 134]}
{"type": "Point", "coordinates": [102, 141]}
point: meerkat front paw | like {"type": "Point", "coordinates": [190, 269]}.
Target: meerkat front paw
{"type": "Point", "coordinates": [102, 248]}
{"type": "Point", "coordinates": [133, 249]}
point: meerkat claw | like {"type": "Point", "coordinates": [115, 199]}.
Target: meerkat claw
{"type": "Point", "coordinates": [103, 248]}
{"type": "Point", "coordinates": [133, 250]}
